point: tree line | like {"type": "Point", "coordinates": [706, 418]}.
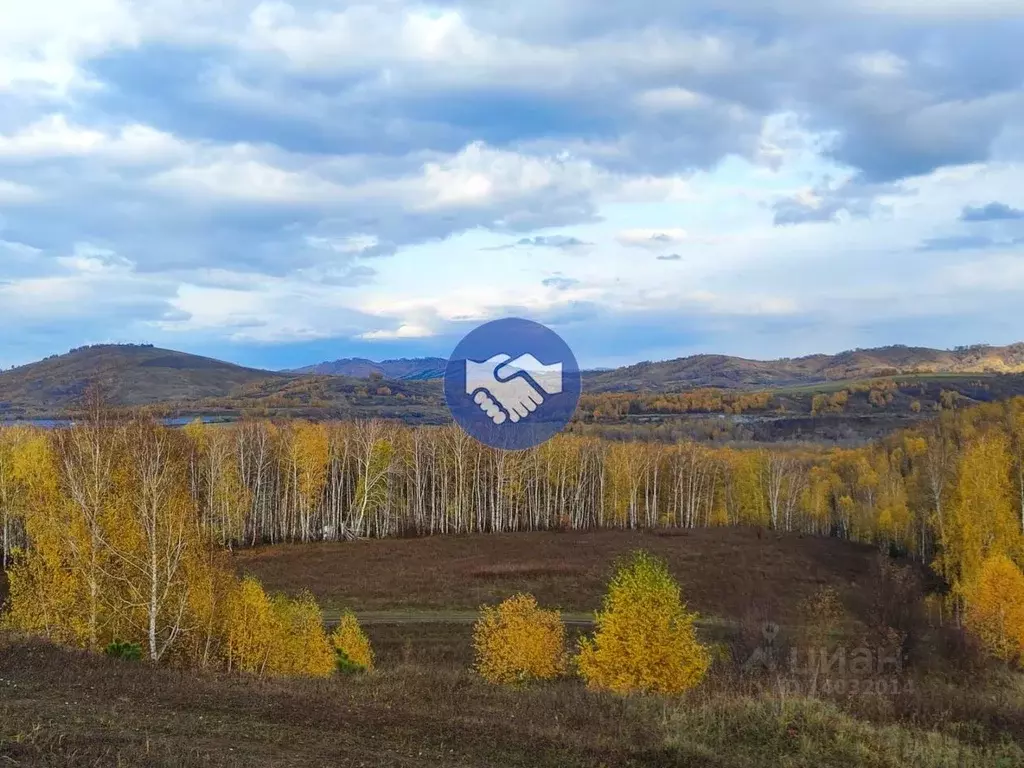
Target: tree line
{"type": "Point", "coordinates": [949, 492]}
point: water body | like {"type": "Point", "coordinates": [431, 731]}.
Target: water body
{"type": "Point", "coordinates": [177, 421]}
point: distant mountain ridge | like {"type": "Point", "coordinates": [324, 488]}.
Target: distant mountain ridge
{"type": "Point", "coordinates": [407, 369]}
{"type": "Point", "coordinates": [142, 375]}
{"type": "Point", "coordinates": [740, 373]}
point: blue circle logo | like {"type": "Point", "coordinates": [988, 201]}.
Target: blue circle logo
{"type": "Point", "coordinates": [512, 383]}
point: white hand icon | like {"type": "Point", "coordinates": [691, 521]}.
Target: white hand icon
{"type": "Point", "coordinates": [514, 394]}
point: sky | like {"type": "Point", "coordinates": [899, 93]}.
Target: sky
{"type": "Point", "coordinates": [278, 184]}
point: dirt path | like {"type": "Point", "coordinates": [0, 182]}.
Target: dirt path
{"type": "Point", "coordinates": [469, 617]}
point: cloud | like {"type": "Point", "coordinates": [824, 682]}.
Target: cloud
{"type": "Point", "coordinates": [560, 283]}
{"type": "Point", "coordinates": [852, 198]}
{"type": "Point", "coordinates": [407, 331]}
{"type": "Point", "coordinates": [957, 243]}
{"type": "Point", "coordinates": [651, 238]}
{"type": "Point", "coordinates": [282, 173]}
{"type": "Point", "coordinates": [561, 242]}
{"type": "Point", "coordinates": [993, 211]}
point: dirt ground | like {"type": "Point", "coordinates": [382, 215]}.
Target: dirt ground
{"type": "Point", "coordinates": [724, 572]}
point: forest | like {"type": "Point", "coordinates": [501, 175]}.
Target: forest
{"type": "Point", "coordinates": [948, 492]}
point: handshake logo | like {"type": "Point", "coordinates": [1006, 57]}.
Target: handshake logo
{"type": "Point", "coordinates": [503, 389]}
{"type": "Point", "coordinates": [512, 384]}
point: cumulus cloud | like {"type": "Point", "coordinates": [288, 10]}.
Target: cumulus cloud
{"type": "Point", "coordinates": [240, 168]}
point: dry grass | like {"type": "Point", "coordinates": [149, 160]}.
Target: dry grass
{"type": "Point", "coordinates": [70, 708]}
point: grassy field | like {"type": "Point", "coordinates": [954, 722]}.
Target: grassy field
{"type": "Point", "coordinates": [424, 706]}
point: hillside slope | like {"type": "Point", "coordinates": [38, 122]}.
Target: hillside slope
{"type": "Point", "coordinates": [737, 372]}
{"type": "Point", "coordinates": [129, 374]}
{"type": "Point", "coordinates": [409, 369]}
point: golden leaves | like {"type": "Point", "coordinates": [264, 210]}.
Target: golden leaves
{"type": "Point", "coordinates": [519, 641]}
{"type": "Point", "coordinates": [645, 640]}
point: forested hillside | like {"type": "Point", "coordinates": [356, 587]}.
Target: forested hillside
{"type": "Point", "coordinates": [736, 372]}
{"type": "Point", "coordinates": [417, 369]}
{"type": "Point", "coordinates": [129, 374]}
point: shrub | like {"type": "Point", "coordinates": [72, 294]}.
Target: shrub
{"type": "Point", "coordinates": [124, 650]}
{"type": "Point", "coordinates": [518, 641]}
{"type": "Point", "coordinates": [995, 608]}
{"type": "Point", "coordinates": [645, 640]}
{"type": "Point", "coordinates": [352, 650]}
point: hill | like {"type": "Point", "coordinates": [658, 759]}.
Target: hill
{"type": "Point", "coordinates": [740, 373]}
{"type": "Point", "coordinates": [409, 369]}
{"type": "Point", "coordinates": [327, 397]}
{"type": "Point", "coordinates": [130, 375]}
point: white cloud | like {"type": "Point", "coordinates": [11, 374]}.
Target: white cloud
{"type": "Point", "coordinates": [670, 100]}
{"type": "Point", "coordinates": [652, 238]}
{"type": "Point", "coordinates": [404, 331]}
{"type": "Point", "coordinates": [54, 137]}
{"type": "Point", "coordinates": [883, 64]}
{"type": "Point", "coordinates": [13, 192]}
{"type": "Point", "coordinates": [249, 180]}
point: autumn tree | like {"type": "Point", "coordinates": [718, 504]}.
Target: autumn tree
{"type": "Point", "coordinates": [351, 645]}
{"type": "Point", "coordinates": [645, 640]}
{"type": "Point", "coordinates": [995, 608]}
{"type": "Point", "coordinates": [518, 641]}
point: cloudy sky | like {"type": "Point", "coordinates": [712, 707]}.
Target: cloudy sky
{"type": "Point", "coordinates": [281, 183]}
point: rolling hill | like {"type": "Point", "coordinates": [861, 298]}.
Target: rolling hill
{"type": "Point", "coordinates": [187, 384]}
{"type": "Point", "coordinates": [407, 369]}
{"type": "Point", "coordinates": [129, 374]}
{"type": "Point", "coordinates": [740, 373]}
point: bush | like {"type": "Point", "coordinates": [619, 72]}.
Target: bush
{"type": "Point", "coordinates": [645, 640]}
{"type": "Point", "coordinates": [352, 650]}
{"type": "Point", "coordinates": [123, 650]}
{"type": "Point", "coordinates": [518, 641]}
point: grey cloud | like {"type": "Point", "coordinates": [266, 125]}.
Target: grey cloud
{"type": "Point", "coordinates": [560, 242]}
{"type": "Point", "coordinates": [559, 283]}
{"type": "Point", "coordinates": [670, 257]}
{"type": "Point", "coordinates": [856, 198]}
{"type": "Point", "coordinates": [993, 211]}
{"type": "Point", "coordinates": [957, 243]}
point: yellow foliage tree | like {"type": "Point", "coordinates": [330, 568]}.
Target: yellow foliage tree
{"type": "Point", "coordinates": [351, 643]}
{"type": "Point", "coordinates": [269, 636]}
{"type": "Point", "coordinates": [519, 641]}
{"type": "Point", "coordinates": [250, 626]}
{"type": "Point", "coordinates": [982, 520]}
{"type": "Point", "coordinates": [301, 646]}
{"type": "Point", "coordinates": [995, 608]}
{"type": "Point", "coordinates": [645, 640]}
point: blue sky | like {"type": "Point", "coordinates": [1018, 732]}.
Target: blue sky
{"type": "Point", "coordinates": [281, 183]}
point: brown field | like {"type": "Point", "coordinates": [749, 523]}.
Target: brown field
{"type": "Point", "coordinates": [724, 572]}
{"type": "Point", "coordinates": [70, 708]}
{"type": "Point", "coordinates": [424, 707]}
